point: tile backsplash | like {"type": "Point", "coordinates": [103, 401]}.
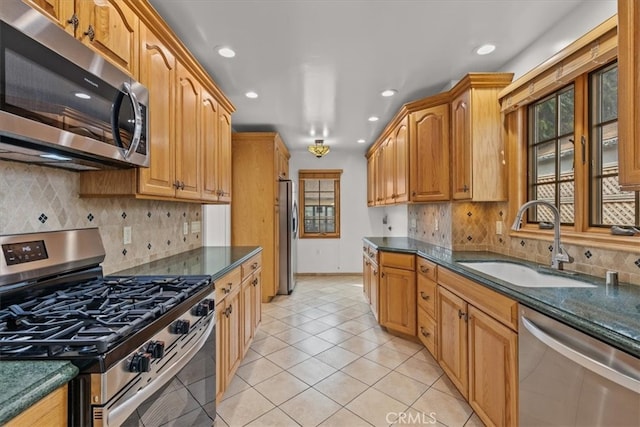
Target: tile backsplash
{"type": "Point", "coordinates": [469, 226]}
{"type": "Point", "coordinates": [36, 198]}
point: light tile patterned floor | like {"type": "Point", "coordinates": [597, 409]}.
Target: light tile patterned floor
{"type": "Point", "coordinates": [319, 358]}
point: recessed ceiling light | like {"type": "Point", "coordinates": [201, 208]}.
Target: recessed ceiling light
{"type": "Point", "coordinates": [388, 92]}
{"type": "Point", "coordinates": [251, 95]}
{"type": "Point", "coordinates": [361, 141]}
{"type": "Point", "coordinates": [485, 49]}
{"type": "Point", "coordinates": [373, 119]}
{"type": "Point", "coordinates": [82, 95]}
{"type": "Point", "coordinates": [226, 52]}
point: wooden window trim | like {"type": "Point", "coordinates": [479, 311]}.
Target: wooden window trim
{"type": "Point", "coordinates": [333, 174]}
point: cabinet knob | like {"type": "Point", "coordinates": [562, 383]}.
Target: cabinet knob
{"type": "Point", "coordinates": [424, 296]}
{"type": "Point", "coordinates": [424, 269]}
{"type": "Point", "coordinates": [74, 21]}
{"type": "Point", "coordinates": [382, 274]}
{"type": "Point", "coordinates": [375, 272]}
{"type": "Point", "coordinates": [424, 332]}
{"type": "Point", "coordinates": [465, 188]}
{"type": "Point", "coordinates": [90, 32]}
{"type": "Point", "coordinates": [414, 194]}
{"type": "Point", "coordinates": [462, 315]}
{"type": "Point", "coordinates": [255, 282]}
{"type": "Point", "coordinates": [254, 265]}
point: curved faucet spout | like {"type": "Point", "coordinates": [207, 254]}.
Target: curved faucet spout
{"type": "Point", "coordinates": [558, 255]}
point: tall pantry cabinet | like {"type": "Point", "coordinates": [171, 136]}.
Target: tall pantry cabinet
{"type": "Point", "coordinates": [259, 161]}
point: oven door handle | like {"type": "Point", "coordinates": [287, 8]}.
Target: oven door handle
{"type": "Point", "coordinates": [118, 414]}
{"type": "Point", "coordinates": [115, 115]}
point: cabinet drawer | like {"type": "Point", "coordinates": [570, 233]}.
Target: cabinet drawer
{"type": "Point", "coordinates": [502, 308]}
{"type": "Point", "coordinates": [398, 260]}
{"type": "Point", "coordinates": [253, 264]}
{"type": "Point", "coordinates": [427, 295]}
{"type": "Point", "coordinates": [427, 268]}
{"type": "Point", "coordinates": [370, 251]}
{"type": "Point", "coordinates": [227, 284]}
{"type": "Point", "coordinates": [427, 331]}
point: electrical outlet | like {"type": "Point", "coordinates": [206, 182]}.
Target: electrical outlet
{"type": "Point", "coordinates": [195, 227]}
{"type": "Point", "coordinates": [126, 235]}
{"type": "Point", "coordinates": [499, 228]}
{"type": "Point", "coordinates": [436, 225]}
{"type": "Point", "coordinates": [185, 228]}
{"type": "Point", "coordinates": [413, 223]}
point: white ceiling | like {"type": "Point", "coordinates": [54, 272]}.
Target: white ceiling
{"type": "Point", "coordinates": [320, 65]}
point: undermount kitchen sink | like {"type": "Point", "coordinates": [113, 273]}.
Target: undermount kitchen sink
{"type": "Point", "coordinates": [522, 275]}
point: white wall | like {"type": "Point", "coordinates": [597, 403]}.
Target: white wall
{"type": "Point", "coordinates": [356, 220]}
{"type": "Point", "coordinates": [586, 16]}
{"type": "Point", "coordinates": [216, 225]}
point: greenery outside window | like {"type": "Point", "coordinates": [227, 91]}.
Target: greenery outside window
{"type": "Point", "coordinates": [319, 203]}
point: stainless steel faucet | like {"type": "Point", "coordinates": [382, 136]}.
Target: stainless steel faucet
{"type": "Point", "coordinates": [558, 255]}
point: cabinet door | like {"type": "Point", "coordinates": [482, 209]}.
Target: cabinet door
{"type": "Point", "coordinates": [381, 183]}
{"type": "Point", "coordinates": [366, 277]}
{"type": "Point", "coordinates": [461, 146]}
{"type": "Point", "coordinates": [59, 11]}
{"type": "Point", "coordinates": [187, 136]}
{"type": "Point", "coordinates": [246, 302]}
{"type": "Point", "coordinates": [224, 156]}
{"type": "Point", "coordinates": [222, 346]}
{"type": "Point", "coordinates": [256, 294]}
{"type": "Point", "coordinates": [389, 170]}
{"type": "Point", "coordinates": [401, 162]}
{"type": "Point", "coordinates": [158, 74]}
{"type": "Point", "coordinates": [629, 94]}
{"type": "Point", "coordinates": [374, 290]}
{"type": "Point", "coordinates": [234, 320]}
{"type": "Point", "coordinates": [452, 338]}
{"type": "Point", "coordinates": [398, 300]}
{"type": "Point", "coordinates": [209, 146]}
{"type": "Point", "coordinates": [429, 159]}
{"type": "Point", "coordinates": [371, 180]}
{"type": "Point", "coordinates": [493, 371]}
{"type": "Point", "coordinates": [109, 27]}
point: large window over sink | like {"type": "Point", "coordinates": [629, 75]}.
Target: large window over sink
{"type": "Point", "coordinates": [320, 203]}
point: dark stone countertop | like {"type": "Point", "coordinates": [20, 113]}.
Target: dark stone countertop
{"type": "Point", "coordinates": [214, 261]}
{"type": "Point", "coordinates": [611, 315]}
{"type": "Point", "coordinates": [23, 383]}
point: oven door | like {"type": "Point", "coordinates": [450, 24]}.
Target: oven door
{"type": "Point", "coordinates": [49, 103]}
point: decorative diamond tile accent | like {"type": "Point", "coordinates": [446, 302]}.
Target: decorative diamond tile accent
{"type": "Point", "coordinates": [168, 214]}
{"type": "Point", "coordinates": [184, 239]}
{"type": "Point", "coordinates": [149, 246]}
{"type": "Point", "coordinates": [184, 214]}
{"type": "Point", "coordinates": [124, 252]}
{"type": "Point", "coordinates": [469, 238]}
{"type": "Point", "coordinates": [501, 213]}
{"type": "Point", "coordinates": [500, 240]}
{"type": "Point", "coordinates": [550, 247]}
{"type": "Point", "coordinates": [522, 243]}
{"type": "Point", "coordinates": [90, 217]}
{"type": "Point", "coordinates": [42, 218]}
{"type": "Point", "coordinates": [124, 215]}
{"type": "Point", "coordinates": [588, 254]}
{"type": "Point", "coordinates": [149, 214]}
{"type": "Point", "coordinates": [637, 263]}
{"type": "Point", "coordinates": [168, 242]}
{"type": "Point", "coordinates": [469, 213]}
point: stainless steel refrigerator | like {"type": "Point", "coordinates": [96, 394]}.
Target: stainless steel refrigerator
{"type": "Point", "coordinates": [288, 237]}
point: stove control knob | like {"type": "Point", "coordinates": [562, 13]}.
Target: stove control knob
{"type": "Point", "coordinates": [140, 362]}
{"type": "Point", "coordinates": [211, 303]}
{"type": "Point", "coordinates": [156, 349]}
{"type": "Point", "coordinates": [202, 309]}
{"type": "Point", "coordinates": [182, 327]}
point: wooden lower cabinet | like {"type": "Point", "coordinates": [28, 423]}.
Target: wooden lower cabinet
{"type": "Point", "coordinates": [370, 278]}
{"type": "Point", "coordinates": [398, 299]}
{"type": "Point", "coordinates": [452, 329]}
{"type": "Point", "coordinates": [50, 411]}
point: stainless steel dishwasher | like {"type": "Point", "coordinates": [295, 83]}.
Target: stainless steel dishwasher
{"type": "Point", "coordinates": [568, 378]}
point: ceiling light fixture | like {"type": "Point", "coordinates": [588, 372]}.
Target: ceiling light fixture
{"type": "Point", "coordinates": [485, 49]}
{"type": "Point", "coordinates": [373, 119]}
{"type": "Point", "coordinates": [226, 52]}
{"type": "Point", "coordinates": [389, 92]}
{"type": "Point", "coordinates": [251, 95]}
{"type": "Point", "coordinates": [318, 149]}
{"type": "Point", "coordinates": [361, 141]}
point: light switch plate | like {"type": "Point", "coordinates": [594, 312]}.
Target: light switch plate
{"type": "Point", "coordinates": [499, 228]}
{"type": "Point", "coordinates": [185, 228]}
{"type": "Point", "coordinates": [126, 235]}
{"type": "Point", "coordinates": [195, 227]}
{"type": "Point", "coordinates": [436, 225]}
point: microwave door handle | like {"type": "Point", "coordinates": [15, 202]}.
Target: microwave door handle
{"type": "Point", "coordinates": [115, 113]}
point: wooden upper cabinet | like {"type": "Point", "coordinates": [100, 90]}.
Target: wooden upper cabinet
{"type": "Point", "coordinates": [209, 147]}
{"type": "Point", "coordinates": [109, 27]}
{"type": "Point", "coordinates": [401, 162]}
{"type": "Point", "coordinates": [381, 184]}
{"type": "Point", "coordinates": [429, 154]}
{"type": "Point", "coordinates": [371, 180]}
{"type": "Point", "coordinates": [478, 165]}
{"type": "Point", "coordinates": [187, 135]}
{"type": "Point", "coordinates": [158, 74]}
{"type": "Point", "coordinates": [224, 157]}
{"type": "Point", "coordinates": [389, 163]}
{"type": "Point", "coordinates": [629, 94]}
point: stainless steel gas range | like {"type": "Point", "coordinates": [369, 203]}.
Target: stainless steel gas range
{"type": "Point", "coordinates": [132, 337]}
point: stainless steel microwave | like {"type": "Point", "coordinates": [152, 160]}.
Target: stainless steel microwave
{"type": "Point", "coordinates": [63, 105]}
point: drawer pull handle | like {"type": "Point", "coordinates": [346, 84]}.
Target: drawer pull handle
{"type": "Point", "coordinates": [254, 265]}
{"type": "Point", "coordinates": [382, 274]}
{"type": "Point", "coordinates": [424, 332]}
{"type": "Point", "coordinates": [424, 269]}
{"type": "Point", "coordinates": [462, 315]}
{"type": "Point", "coordinates": [255, 281]}
{"type": "Point", "coordinates": [424, 296]}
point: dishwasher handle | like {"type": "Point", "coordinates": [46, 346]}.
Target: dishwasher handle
{"type": "Point", "coordinates": [586, 362]}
